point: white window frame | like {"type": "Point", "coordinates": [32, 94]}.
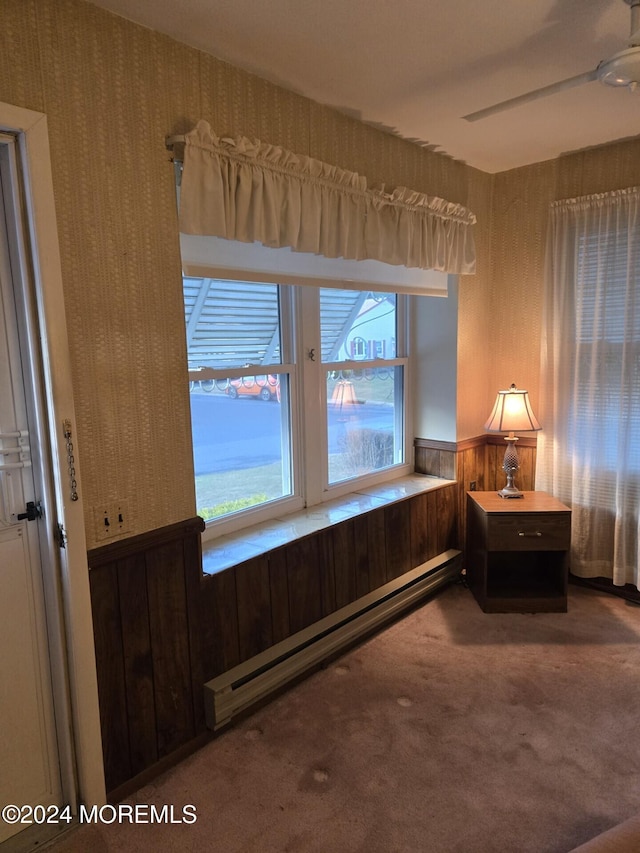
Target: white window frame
{"type": "Point", "coordinates": [301, 359]}
{"type": "Point", "coordinates": [313, 417]}
{"type": "Point", "coordinates": [291, 432]}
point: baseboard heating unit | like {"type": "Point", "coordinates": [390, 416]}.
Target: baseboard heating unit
{"type": "Point", "coordinates": [253, 680]}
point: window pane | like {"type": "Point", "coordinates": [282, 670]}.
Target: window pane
{"type": "Point", "coordinates": [231, 323]}
{"type": "Point", "coordinates": [606, 352]}
{"type": "Point", "coordinates": [240, 442]}
{"type": "Point", "coordinates": [240, 423]}
{"type": "Point", "coordinates": [364, 421]}
{"type": "Point", "coordinates": [357, 325]}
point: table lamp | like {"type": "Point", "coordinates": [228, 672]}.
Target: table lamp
{"type": "Point", "coordinates": [511, 413]}
{"type": "Point", "coordinates": [344, 395]}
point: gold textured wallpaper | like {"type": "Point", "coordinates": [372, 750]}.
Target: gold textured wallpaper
{"type": "Point", "coordinates": [112, 92]}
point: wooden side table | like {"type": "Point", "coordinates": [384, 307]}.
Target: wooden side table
{"type": "Point", "coordinates": [516, 555]}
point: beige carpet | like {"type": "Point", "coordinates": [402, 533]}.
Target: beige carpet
{"type": "Point", "coordinates": [450, 732]}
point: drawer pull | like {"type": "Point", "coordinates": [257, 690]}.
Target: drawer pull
{"type": "Point", "coordinates": [537, 533]}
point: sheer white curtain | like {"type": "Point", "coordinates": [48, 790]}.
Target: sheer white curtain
{"type": "Point", "coordinates": [589, 449]}
{"type": "Point", "coordinates": [247, 190]}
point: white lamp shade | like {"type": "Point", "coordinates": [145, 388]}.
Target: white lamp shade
{"type": "Point", "coordinates": [512, 412]}
{"type": "Point", "coordinates": [344, 394]}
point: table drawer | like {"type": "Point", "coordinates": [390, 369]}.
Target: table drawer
{"type": "Point", "coordinates": [529, 532]}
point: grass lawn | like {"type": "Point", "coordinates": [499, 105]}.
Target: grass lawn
{"type": "Point", "coordinates": [219, 490]}
{"type": "Point", "coordinates": [230, 491]}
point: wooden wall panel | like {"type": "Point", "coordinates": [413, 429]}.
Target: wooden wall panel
{"type": "Point", "coordinates": [493, 468]}
{"type": "Point", "coordinates": [324, 542]}
{"type": "Point", "coordinates": [344, 563]}
{"type": "Point", "coordinates": [495, 476]}
{"type": "Point", "coordinates": [253, 592]}
{"type": "Point", "coordinates": [377, 545]}
{"type": "Point", "coordinates": [438, 461]}
{"type": "Point", "coordinates": [220, 631]}
{"type": "Point", "coordinates": [138, 663]}
{"type": "Point", "coordinates": [148, 664]}
{"type": "Point", "coordinates": [314, 576]}
{"type": "Point", "coordinates": [169, 632]}
{"type": "Point", "coordinates": [418, 523]}
{"type": "Point", "coordinates": [279, 595]}
{"type": "Point", "coordinates": [109, 652]}
{"type": "Point", "coordinates": [305, 591]}
{"type": "Point", "coordinates": [423, 529]}
{"type": "Point", "coordinates": [526, 476]}
{"type": "Point", "coordinates": [360, 555]}
{"type": "Point", "coordinates": [446, 509]}
{"type": "Point", "coordinates": [471, 467]}
{"type": "Point", "coordinates": [397, 523]}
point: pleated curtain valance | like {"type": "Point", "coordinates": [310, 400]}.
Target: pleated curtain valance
{"type": "Point", "coordinates": [250, 191]}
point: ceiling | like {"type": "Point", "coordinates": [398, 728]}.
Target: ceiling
{"type": "Point", "coordinates": [415, 67]}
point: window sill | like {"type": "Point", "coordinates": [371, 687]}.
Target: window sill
{"type": "Point", "coordinates": [232, 549]}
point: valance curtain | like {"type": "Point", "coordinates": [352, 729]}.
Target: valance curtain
{"type": "Point", "coordinates": [250, 191]}
{"type": "Point", "coordinates": [589, 449]}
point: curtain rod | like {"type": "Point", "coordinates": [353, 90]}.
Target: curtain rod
{"type": "Point", "coordinates": [170, 141]}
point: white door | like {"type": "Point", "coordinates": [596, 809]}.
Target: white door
{"type": "Point", "coordinates": [29, 760]}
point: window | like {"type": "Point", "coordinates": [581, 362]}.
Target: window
{"type": "Point", "coordinates": [607, 348]}
{"type": "Point", "coordinates": [297, 393]}
{"type": "Point", "coordinates": [235, 344]}
{"type": "Point", "coordinates": [364, 382]}
{"type": "Point", "coordinates": [590, 379]}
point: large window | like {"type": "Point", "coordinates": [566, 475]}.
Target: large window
{"type": "Point", "coordinates": [297, 394]}
{"type": "Point", "coordinates": [590, 379]}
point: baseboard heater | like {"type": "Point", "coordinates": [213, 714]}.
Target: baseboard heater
{"type": "Point", "coordinates": [244, 685]}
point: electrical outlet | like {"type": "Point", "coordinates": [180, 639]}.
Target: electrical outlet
{"type": "Point", "coordinates": [472, 486]}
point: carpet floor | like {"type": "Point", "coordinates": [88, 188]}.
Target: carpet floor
{"type": "Point", "coordinates": [451, 731]}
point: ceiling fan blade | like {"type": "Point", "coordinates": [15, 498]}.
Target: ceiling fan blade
{"type": "Point", "coordinates": [569, 83]}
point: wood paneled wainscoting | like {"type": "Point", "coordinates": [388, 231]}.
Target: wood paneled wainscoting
{"type": "Point", "coordinates": [145, 595]}
{"type": "Point", "coordinates": [475, 460]}
{"type": "Point", "coordinates": [162, 628]}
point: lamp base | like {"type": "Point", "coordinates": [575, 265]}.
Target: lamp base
{"type": "Point", "coordinates": [510, 466]}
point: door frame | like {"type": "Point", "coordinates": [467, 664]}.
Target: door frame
{"type": "Point", "coordinates": [73, 664]}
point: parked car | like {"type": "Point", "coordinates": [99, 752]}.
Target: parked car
{"type": "Point", "coordinates": [266, 387]}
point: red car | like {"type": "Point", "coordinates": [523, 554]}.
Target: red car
{"type": "Point", "coordinates": [264, 387]}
